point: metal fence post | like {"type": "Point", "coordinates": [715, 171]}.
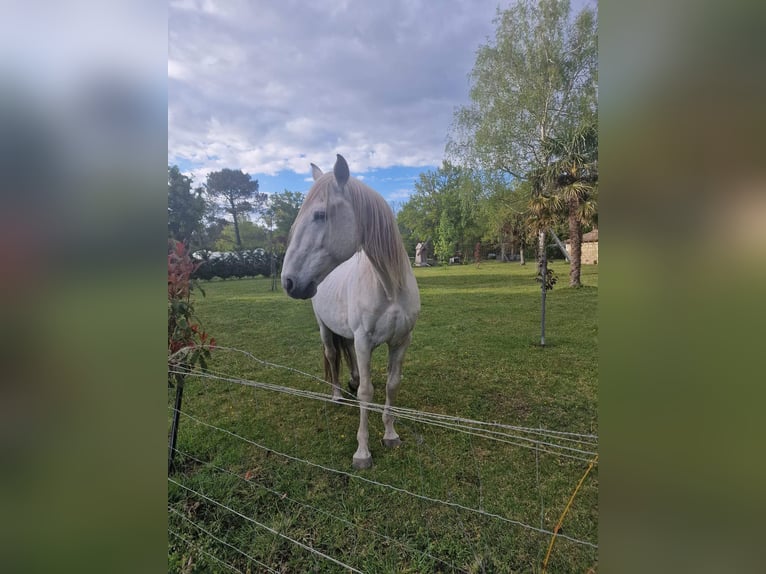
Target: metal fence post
{"type": "Point", "coordinates": [174, 426]}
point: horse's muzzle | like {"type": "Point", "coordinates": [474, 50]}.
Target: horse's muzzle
{"type": "Point", "coordinates": [293, 289]}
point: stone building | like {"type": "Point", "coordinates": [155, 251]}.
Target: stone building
{"type": "Point", "coordinates": [589, 248]}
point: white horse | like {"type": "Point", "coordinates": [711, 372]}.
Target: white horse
{"type": "Point", "coordinates": [345, 251]}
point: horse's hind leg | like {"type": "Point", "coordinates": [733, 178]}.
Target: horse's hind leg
{"type": "Point", "coordinates": [331, 359]}
{"type": "Point", "coordinates": [348, 348]}
{"type": "Point", "coordinates": [395, 360]}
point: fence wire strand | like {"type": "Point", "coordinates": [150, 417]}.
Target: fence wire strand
{"type": "Point", "coordinates": [205, 552]}
{"type": "Point", "coordinates": [265, 527]}
{"type": "Point", "coordinates": [578, 437]}
{"type": "Point", "coordinates": [384, 485]}
{"type": "Point", "coordinates": [443, 421]}
{"type": "Point", "coordinates": [577, 446]}
{"type": "Point", "coordinates": [283, 496]}
{"type": "Point", "coordinates": [214, 537]}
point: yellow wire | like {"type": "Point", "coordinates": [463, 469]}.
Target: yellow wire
{"type": "Point", "coordinates": [563, 514]}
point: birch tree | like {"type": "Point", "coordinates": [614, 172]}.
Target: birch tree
{"type": "Point", "coordinates": [535, 82]}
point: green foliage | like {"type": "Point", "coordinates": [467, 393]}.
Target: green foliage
{"type": "Point", "coordinates": [449, 192]}
{"type": "Point", "coordinates": [245, 263]}
{"type": "Point", "coordinates": [281, 212]}
{"type": "Point", "coordinates": [185, 208]}
{"type": "Point", "coordinates": [238, 194]}
{"type": "Point", "coordinates": [550, 277]}
{"type": "Point", "coordinates": [252, 236]}
{"type": "Point", "coordinates": [474, 354]}
{"type": "Point", "coordinates": [236, 188]}
{"type": "Point", "coordinates": [188, 345]}
{"type": "Point", "coordinates": [536, 79]}
{"type": "Point", "coordinates": [504, 213]}
{"type": "Point", "coordinates": [572, 173]}
{"type": "Point", "coordinates": [283, 208]}
{"type": "Point", "coordinates": [445, 238]}
{"type": "Point", "coordinates": [533, 86]}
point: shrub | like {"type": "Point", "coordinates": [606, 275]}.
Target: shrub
{"type": "Point", "coordinates": [188, 344]}
{"type": "Point", "coordinates": [246, 263]}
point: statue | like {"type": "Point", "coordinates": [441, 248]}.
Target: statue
{"type": "Point", "coordinates": [419, 255]}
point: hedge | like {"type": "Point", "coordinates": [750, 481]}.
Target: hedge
{"type": "Point", "coordinates": [246, 263]}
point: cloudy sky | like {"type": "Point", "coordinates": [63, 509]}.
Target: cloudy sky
{"type": "Point", "coordinates": [270, 86]}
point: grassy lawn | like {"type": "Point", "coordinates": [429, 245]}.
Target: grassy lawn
{"type": "Point", "coordinates": [475, 354]}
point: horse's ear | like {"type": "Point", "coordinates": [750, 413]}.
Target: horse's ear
{"type": "Point", "coordinates": [315, 171]}
{"type": "Point", "coordinates": [341, 171]}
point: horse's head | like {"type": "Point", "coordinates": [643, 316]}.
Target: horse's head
{"type": "Point", "coordinates": [324, 234]}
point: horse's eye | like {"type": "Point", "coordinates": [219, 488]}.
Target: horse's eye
{"type": "Point", "coordinates": [319, 216]}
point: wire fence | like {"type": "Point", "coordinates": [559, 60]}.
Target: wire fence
{"type": "Point", "coordinates": [559, 444]}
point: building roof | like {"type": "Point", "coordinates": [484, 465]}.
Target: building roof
{"type": "Point", "coordinates": [590, 237]}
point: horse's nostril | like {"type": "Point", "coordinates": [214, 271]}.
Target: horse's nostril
{"type": "Point", "coordinates": [288, 284]}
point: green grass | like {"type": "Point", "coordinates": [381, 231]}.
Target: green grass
{"type": "Point", "coordinates": [475, 353]}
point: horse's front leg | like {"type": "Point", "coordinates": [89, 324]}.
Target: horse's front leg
{"type": "Point", "coordinates": [395, 360]}
{"type": "Point", "coordinates": [363, 350]}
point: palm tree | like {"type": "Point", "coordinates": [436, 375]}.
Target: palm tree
{"type": "Point", "coordinates": [572, 177]}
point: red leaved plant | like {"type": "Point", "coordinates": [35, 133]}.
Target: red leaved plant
{"type": "Point", "coordinates": [188, 344]}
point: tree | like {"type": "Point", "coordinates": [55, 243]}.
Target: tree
{"type": "Point", "coordinates": [185, 208]}
{"type": "Point", "coordinates": [239, 194]}
{"type": "Point", "coordinates": [504, 215]}
{"type": "Point", "coordinates": [534, 84]}
{"type": "Point", "coordinates": [449, 192]}
{"type": "Point", "coordinates": [251, 236]}
{"type": "Point", "coordinates": [537, 79]}
{"type": "Point", "coordinates": [445, 238]}
{"type": "Point", "coordinates": [280, 214]}
{"type": "Point", "coordinates": [574, 173]}
{"type": "Point", "coordinates": [213, 229]}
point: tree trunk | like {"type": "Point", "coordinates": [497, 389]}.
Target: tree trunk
{"type": "Point", "coordinates": [236, 224]}
{"type": "Point", "coordinates": [562, 247]}
{"type": "Point", "coordinates": [236, 233]}
{"type": "Point", "coordinates": [575, 244]}
{"type": "Point", "coordinates": [522, 248]}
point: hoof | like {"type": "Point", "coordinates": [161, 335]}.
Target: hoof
{"type": "Point", "coordinates": [352, 389]}
{"type": "Point", "coordinates": [392, 442]}
{"type": "Point", "coordinates": [362, 463]}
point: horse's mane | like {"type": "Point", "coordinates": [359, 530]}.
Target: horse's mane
{"type": "Point", "coordinates": [381, 240]}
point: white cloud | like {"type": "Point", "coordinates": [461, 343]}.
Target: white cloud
{"type": "Point", "coordinates": [176, 70]}
{"type": "Point", "coordinates": [399, 195]}
{"type": "Point", "coordinates": [267, 86]}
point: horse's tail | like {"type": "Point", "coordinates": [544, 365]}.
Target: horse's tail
{"type": "Point", "coordinates": [348, 348]}
{"type": "Point", "coordinates": [341, 347]}
{"type": "Point", "coordinates": [338, 347]}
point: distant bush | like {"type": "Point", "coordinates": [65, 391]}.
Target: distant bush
{"type": "Point", "coordinates": [227, 264]}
